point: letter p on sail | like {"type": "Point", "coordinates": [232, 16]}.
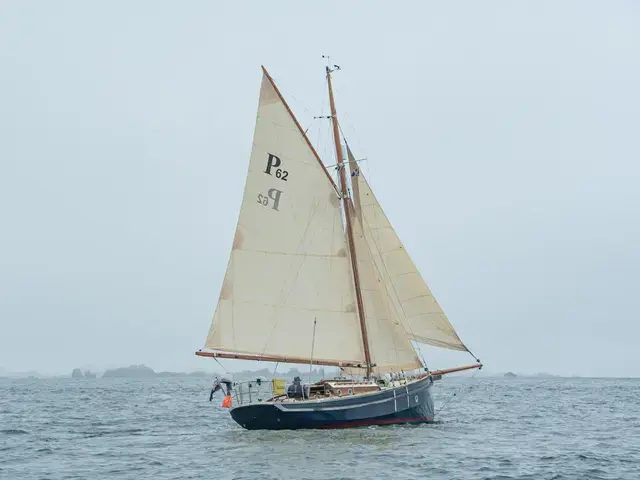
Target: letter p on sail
{"type": "Point", "coordinates": [226, 402]}
{"type": "Point", "coordinates": [273, 161]}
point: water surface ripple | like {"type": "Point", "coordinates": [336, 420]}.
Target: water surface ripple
{"type": "Point", "coordinates": [166, 429]}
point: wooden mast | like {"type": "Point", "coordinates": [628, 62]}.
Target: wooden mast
{"type": "Point", "coordinates": [347, 214]}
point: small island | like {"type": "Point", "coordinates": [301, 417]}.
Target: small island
{"type": "Point", "coordinates": [510, 375]}
{"type": "Point", "coordinates": [135, 371]}
{"type": "Point", "coordinates": [142, 371]}
{"type": "Point", "coordinates": [77, 373]}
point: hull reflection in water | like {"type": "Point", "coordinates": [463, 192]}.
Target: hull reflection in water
{"type": "Point", "coordinates": [410, 403]}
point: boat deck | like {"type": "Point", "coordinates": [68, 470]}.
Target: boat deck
{"type": "Point", "coordinates": [248, 392]}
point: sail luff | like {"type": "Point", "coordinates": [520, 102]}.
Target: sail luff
{"type": "Point", "coordinates": [347, 213]}
{"type": "Point", "coordinates": [304, 135]}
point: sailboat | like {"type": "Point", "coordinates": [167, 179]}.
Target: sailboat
{"type": "Point", "coordinates": [318, 276]}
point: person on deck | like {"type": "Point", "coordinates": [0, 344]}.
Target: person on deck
{"type": "Point", "coordinates": [218, 381]}
{"type": "Point", "coordinates": [295, 390]}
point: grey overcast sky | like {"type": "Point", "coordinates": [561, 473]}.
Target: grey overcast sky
{"type": "Point", "coordinates": [501, 139]}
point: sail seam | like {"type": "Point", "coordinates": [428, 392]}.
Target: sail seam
{"type": "Point", "coordinates": [404, 273]}
{"type": "Point", "coordinates": [289, 254]}
{"type": "Point", "coordinates": [437, 343]}
{"type": "Point", "coordinates": [292, 307]}
{"type": "Point", "coordinates": [417, 296]}
{"type": "Point", "coordinates": [425, 313]}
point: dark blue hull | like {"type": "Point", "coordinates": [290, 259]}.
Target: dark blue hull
{"type": "Point", "coordinates": [405, 404]}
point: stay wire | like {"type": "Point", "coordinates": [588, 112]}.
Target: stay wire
{"type": "Point", "coordinates": [474, 384]}
{"type": "Point", "coordinates": [223, 368]}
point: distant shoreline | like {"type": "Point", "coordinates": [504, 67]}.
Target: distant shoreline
{"type": "Point", "coordinates": [142, 371]}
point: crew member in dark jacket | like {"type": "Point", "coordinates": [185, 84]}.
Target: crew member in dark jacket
{"type": "Point", "coordinates": [296, 389]}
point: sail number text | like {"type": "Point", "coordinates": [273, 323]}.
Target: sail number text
{"type": "Point", "coordinates": [275, 162]}
{"type": "Point", "coordinates": [271, 198]}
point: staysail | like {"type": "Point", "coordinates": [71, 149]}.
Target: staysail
{"type": "Point", "coordinates": [389, 346]}
{"type": "Point", "coordinates": [289, 265]}
{"type": "Point", "coordinates": [423, 318]}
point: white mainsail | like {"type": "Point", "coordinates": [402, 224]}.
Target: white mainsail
{"type": "Point", "coordinates": [423, 318]}
{"type": "Point", "coordinates": [289, 263]}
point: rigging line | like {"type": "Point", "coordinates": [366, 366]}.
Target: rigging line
{"type": "Point", "coordinates": [397, 296]}
{"type": "Point", "coordinates": [471, 353]}
{"type": "Point", "coordinates": [322, 140]}
{"type": "Point", "coordinates": [350, 123]}
{"type": "Point", "coordinates": [456, 394]}
{"type": "Point", "coordinates": [225, 370]}
{"type": "Point", "coordinates": [313, 343]}
{"type": "Point", "coordinates": [310, 125]}
{"type": "Point", "coordinates": [417, 350]}
{"type": "Point", "coordinates": [336, 174]}
{"type": "Point", "coordinates": [337, 213]}
{"type": "Point", "coordinates": [389, 307]}
{"type": "Point", "coordinates": [329, 143]}
{"type": "Point", "coordinates": [342, 132]}
{"type": "Point", "coordinates": [389, 303]}
{"type": "Point", "coordinates": [337, 164]}
{"type": "Point", "coordinates": [295, 278]}
{"type": "Point", "coordinates": [323, 104]}
{"type": "Point", "coordinates": [346, 160]}
{"type": "Point", "coordinates": [332, 256]}
{"type": "Point", "coordinates": [288, 92]}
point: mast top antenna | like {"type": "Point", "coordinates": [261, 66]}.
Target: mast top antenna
{"type": "Point", "coordinates": [329, 69]}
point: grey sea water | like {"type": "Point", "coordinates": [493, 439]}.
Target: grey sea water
{"type": "Point", "coordinates": [167, 429]}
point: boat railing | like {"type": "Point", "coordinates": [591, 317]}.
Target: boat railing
{"type": "Point", "coordinates": [262, 389]}
{"type": "Point", "coordinates": [256, 390]}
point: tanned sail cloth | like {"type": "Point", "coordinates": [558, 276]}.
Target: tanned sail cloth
{"type": "Point", "coordinates": [289, 263]}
